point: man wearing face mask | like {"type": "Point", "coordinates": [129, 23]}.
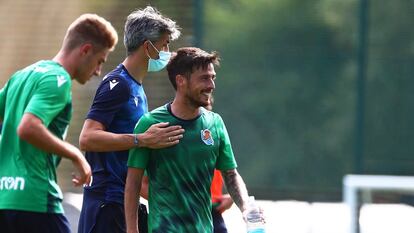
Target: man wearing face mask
{"type": "Point", "coordinates": [120, 101]}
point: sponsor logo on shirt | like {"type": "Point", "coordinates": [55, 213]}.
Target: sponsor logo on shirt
{"type": "Point", "coordinates": [39, 69]}
{"type": "Point", "coordinates": [206, 137]}
{"type": "Point", "coordinates": [112, 84]}
{"type": "Point", "coordinates": [11, 183]}
{"type": "Point", "coordinates": [60, 80]}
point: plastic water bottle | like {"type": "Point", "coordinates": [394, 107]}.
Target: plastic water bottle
{"type": "Point", "coordinates": [254, 219]}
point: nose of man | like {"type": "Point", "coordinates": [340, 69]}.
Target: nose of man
{"type": "Point", "coordinates": [212, 84]}
{"type": "Point", "coordinates": [98, 70]}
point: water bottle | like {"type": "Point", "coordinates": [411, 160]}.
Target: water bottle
{"type": "Point", "coordinates": [253, 217]}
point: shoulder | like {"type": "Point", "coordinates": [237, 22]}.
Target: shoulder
{"type": "Point", "coordinates": [115, 78]}
{"type": "Point", "coordinates": [153, 117]}
{"type": "Point", "coordinates": [52, 75]}
{"type": "Point", "coordinates": [157, 114]}
{"type": "Point", "coordinates": [115, 81]}
{"type": "Point", "coordinates": [114, 84]}
{"type": "Point", "coordinates": [210, 115]}
{"type": "Point", "coordinates": [159, 110]}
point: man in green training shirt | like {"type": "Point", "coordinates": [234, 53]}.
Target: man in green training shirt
{"type": "Point", "coordinates": [180, 176]}
{"type": "Point", "coordinates": [35, 110]}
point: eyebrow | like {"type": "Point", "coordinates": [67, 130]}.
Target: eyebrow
{"type": "Point", "coordinates": [208, 75]}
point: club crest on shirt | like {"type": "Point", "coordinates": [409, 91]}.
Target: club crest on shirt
{"type": "Point", "coordinates": [206, 137]}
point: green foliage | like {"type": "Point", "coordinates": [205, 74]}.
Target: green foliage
{"type": "Point", "coordinates": [288, 73]}
{"type": "Point", "coordinates": [390, 112]}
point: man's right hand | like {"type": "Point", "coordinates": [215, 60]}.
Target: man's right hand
{"type": "Point", "coordinates": [160, 136]}
{"type": "Point", "coordinates": [32, 130]}
{"type": "Point", "coordinates": [84, 172]}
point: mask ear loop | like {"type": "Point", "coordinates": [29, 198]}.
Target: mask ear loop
{"type": "Point", "coordinates": [147, 53]}
{"type": "Point", "coordinates": [168, 48]}
{"type": "Point", "coordinates": [154, 46]}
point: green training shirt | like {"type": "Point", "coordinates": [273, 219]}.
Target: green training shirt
{"type": "Point", "coordinates": [28, 174]}
{"type": "Point", "coordinates": [180, 176]}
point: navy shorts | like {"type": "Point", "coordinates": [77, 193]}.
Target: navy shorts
{"type": "Point", "coordinates": [111, 218]}
{"type": "Point", "coordinates": [18, 221]}
{"type": "Point", "coordinates": [218, 222]}
{"type": "Point", "coordinates": [100, 217]}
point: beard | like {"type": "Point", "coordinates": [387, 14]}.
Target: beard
{"type": "Point", "coordinates": [196, 102]}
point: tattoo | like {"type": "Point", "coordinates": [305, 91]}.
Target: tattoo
{"type": "Point", "coordinates": [236, 188]}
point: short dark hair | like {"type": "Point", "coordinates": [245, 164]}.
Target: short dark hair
{"type": "Point", "coordinates": [186, 60]}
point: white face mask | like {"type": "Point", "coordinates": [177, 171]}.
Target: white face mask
{"type": "Point", "coordinates": [155, 65]}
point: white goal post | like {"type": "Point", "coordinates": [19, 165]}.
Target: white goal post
{"type": "Point", "coordinates": [367, 183]}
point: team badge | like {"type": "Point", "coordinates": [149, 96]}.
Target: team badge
{"type": "Point", "coordinates": [206, 137]}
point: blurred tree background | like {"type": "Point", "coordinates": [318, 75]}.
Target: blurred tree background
{"type": "Point", "coordinates": [287, 90]}
{"type": "Point", "coordinates": [287, 87]}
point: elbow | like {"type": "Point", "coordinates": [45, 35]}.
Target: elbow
{"type": "Point", "coordinates": [89, 141]}
{"type": "Point", "coordinates": [25, 132]}
{"type": "Point", "coordinates": [84, 142]}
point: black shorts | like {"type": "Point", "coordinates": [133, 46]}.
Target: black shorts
{"type": "Point", "coordinates": [18, 221]}
{"type": "Point", "coordinates": [218, 222]}
{"type": "Point", "coordinates": [109, 217]}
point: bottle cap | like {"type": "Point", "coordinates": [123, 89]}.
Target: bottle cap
{"type": "Point", "coordinates": [251, 199]}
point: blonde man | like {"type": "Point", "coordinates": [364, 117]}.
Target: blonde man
{"type": "Point", "coordinates": [35, 110]}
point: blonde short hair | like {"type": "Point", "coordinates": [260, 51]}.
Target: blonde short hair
{"type": "Point", "coordinates": [93, 29]}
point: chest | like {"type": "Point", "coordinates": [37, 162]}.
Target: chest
{"type": "Point", "coordinates": [131, 111]}
{"type": "Point", "coordinates": [199, 146]}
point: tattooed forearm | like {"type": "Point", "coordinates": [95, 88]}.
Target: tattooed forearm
{"type": "Point", "coordinates": [236, 188]}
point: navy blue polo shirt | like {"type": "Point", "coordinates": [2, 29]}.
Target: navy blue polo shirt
{"type": "Point", "coordinates": [118, 104]}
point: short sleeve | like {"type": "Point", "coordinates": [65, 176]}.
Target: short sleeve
{"type": "Point", "coordinates": [51, 95]}
{"type": "Point", "coordinates": [139, 156]}
{"type": "Point", "coordinates": [112, 93]}
{"type": "Point", "coordinates": [3, 93]}
{"type": "Point", "coordinates": [225, 160]}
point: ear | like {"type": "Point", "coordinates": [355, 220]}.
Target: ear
{"type": "Point", "coordinates": [180, 80]}
{"type": "Point", "coordinates": [146, 45]}
{"type": "Point", "coordinates": [86, 48]}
